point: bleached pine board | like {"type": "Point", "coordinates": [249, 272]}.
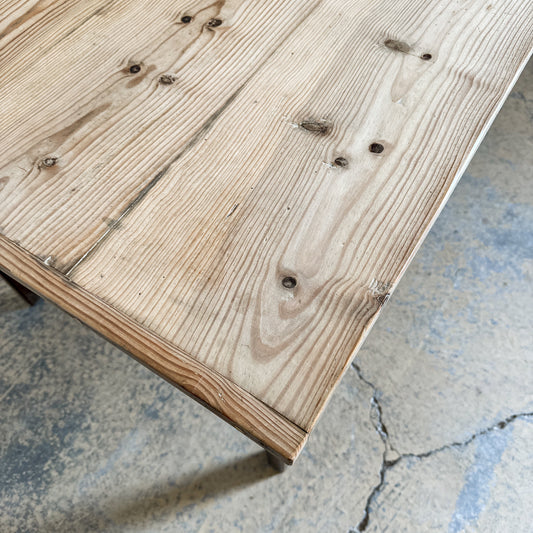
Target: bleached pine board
{"type": "Point", "coordinates": [241, 409]}
{"type": "Point", "coordinates": [181, 207]}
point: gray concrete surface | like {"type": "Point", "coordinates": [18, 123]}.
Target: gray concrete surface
{"type": "Point", "coordinates": [431, 430]}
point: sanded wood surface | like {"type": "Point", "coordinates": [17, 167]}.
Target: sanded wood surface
{"type": "Point", "coordinates": [238, 186]}
{"type": "Point", "coordinates": [258, 421]}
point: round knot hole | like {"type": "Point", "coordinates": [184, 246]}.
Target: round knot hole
{"type": "Point", "coordinates": [49, 162]}
{"type": "Point", "coordinates": [376, 148]}
{"type": "Point", "coordinates": [341, 162]}
{"type": "Point", "coordinates": [289, 282]}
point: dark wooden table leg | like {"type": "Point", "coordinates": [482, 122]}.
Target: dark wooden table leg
{"type": "Point", "coordinates": [23, 292]}
{"type": "Point", "coordinates": [275, 462]}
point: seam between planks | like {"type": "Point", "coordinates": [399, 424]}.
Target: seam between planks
{"type": "Point", "coordinates": [207, 125]}
{"type": "Point", "coordinates": [204, 128]}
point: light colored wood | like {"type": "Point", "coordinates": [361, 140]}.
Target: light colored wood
{"type": "Point", "coordinates": [67, 93]}
{"type": "Point", "coordinates": [181, 203]}
{"type": "Point", "coordinates": [258, 421]}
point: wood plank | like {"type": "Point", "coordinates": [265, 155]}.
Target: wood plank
{"type": "Point", "coordinates": [83, 138]}
{"type": "Point", "coordinates": [245, 412]}
{"type": "Point", "coordinates": [242, 202]}
{"type": "Point", "coordinates": [201, 260]}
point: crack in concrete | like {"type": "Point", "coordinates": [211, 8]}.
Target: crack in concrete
{"type": "Point", "coordinates": [376, 417]}
{"type": "Point", "coordinates": [502, 424]}
{"type": "Point", "coordinates": [392, 457]}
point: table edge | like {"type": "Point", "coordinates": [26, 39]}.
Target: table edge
{"type": "Point", "coordinates": [258, 421]}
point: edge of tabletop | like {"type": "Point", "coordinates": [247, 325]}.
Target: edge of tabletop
{"type": "Point", "coordinates": [245, 412]}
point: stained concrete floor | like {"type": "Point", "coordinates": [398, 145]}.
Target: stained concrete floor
{"type": "Point", "coordinates": [431, 430]}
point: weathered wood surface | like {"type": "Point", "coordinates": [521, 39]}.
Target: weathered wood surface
{"type": "Point", "coordinates": [280, 436]}
{"type": "Point", "coordinates": [244, 181]}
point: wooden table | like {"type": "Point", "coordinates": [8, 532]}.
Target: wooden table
{"type": "Point", "coordinates": [230, 191]}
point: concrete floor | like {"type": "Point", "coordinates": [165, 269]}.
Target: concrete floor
{"type": "Point", "coordinates": [430, 431]}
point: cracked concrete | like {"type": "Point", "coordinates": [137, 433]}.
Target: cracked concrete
{"type": "Point", "coordinates": [429, 431]}
{"type": "Point", "coordinates": [422, 478]}
{"type": "Point", "coordinates": [392, 458]}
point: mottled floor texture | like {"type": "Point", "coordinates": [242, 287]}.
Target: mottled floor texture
{"type": "Point", "coordinates": [430, 431]}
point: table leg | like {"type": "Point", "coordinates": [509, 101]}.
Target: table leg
{"type": "Point", "coordinates": [275, 462]}
{"type": "Point", "coordinates": [22, 291]}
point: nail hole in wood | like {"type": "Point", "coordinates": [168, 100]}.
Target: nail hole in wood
{"type": "Point", "coordinates": [426, 57]}
{"type": "Point", "coordinates": [398, 46]}
{"type": "Point", "coordinates": [186, 19]}
{"type": "Point", "coordinates": [213, 23]}
{"type": "Point", "coordinates": [49, 161]}
{"type": "Point", "coordinates": [135, 69]}
{"type": "Point", "coordinates": [319, 127]}
{"type": "Point", "coordinates": [167, 79]}
{"type": "Point", "coordinates": [289, 282]}
{"type": "Point", "coordinates": [376, 148]}
{"type": "Point", "coordinates": [341, 162]}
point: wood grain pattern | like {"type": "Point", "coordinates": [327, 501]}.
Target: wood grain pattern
{"type": "Point", "coordinates": [256, 420]}
{"type": "Point", "coordinates": [110, 131]}
{"type": "Point", "coordinates": [263, 140]}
